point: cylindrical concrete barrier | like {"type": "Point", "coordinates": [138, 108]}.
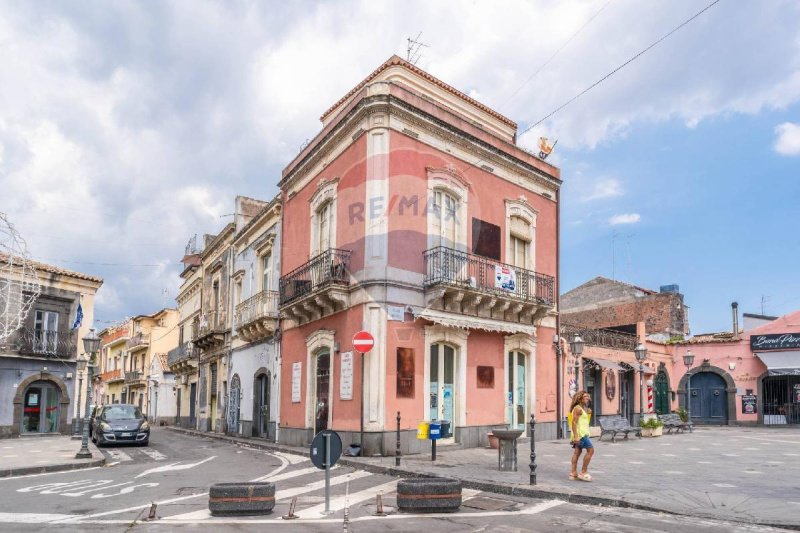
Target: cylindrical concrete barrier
{"type": "Point", "coordinates": [246, 498]}
{"type": "Point", "coordinates": [428, 495]}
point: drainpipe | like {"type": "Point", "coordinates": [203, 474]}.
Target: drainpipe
{"type": "Point", "coordinates": [735, 311]}
{"type": "Point", "coordinates": [559, 352]}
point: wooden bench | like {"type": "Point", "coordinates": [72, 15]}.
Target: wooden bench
{"type": "Point", "coordinates": [614, 424]}
{"type": "Point", "coordinates": [673, 421]}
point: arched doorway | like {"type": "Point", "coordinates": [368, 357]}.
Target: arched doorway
{"type": "Point", "coordinates": [661, 391]}
{"type": "Point", "coordinates": [322, 378]}
{"type": "Point", "coordinates": [233, 404]}
{"type": "Point", "coordinates": [41, 410]}
{"type": "Point", "coordinates": [261, 414]}
{"type": "Point", "coordinates": [708, 399]}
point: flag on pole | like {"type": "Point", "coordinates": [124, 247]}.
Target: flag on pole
{"type": "Point", "coordinates": [78, 317]}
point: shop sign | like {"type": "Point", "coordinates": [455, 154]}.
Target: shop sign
{"type": "Point", "coordinates": [777, 341]}
{"type": "Point", "coordinates": [749, 404]}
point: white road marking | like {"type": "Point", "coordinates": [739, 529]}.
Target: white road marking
{"type": "Point", "coordinates": [771, 440]}
{"type": "Point", "coordinates": [118, 455]}
{"type": "Point", "coordinates": [466, 494]}
{"type": "Point", "coordinates": [668, 455]}
{"type": "Point", "coordinates": [792, 454]}
{"type": "Point", "coordinates": [676, 472]}
{"type": "Point", "coordinates": [31, 518]}
{"type": "Point", "coordinates": [48, 473]}
{"type": "Point", "coordinates": [153, 454]}
{"type": "Point", "coordinates": [731, 454]}
{"type": "Point", "coordinates": [775, 462]}
{"type": "Point", "coordinates": [724, 485]}
{"type": "Point", "coordinates": [338, 503]}
{"type": "Point", "coordinates": [695, 449]}
{"type": "Point", "coordinates": [704, 462]}
{"type": "Point", "coordinates": [636, 462]}
{"type": "Point", "coordinates": [292, 458]}
{"type": "Point", "coordinates": [609, 455]}
{"type": "Point", "coordinates": [293, 473]}
{"type": "Point", "coordinates": [175, 466]}
{"type": "Point", "coordinates": [752, 472]}
{"type": "Point", "coordinates": [754, 449]}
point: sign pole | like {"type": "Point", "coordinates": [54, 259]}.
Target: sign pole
{"type": "Point", "coordinates": [363, 342]}
{"type": "Point", "coordinates": [361, 437]}
{"type": "Point", "coordinates": [327, 473]}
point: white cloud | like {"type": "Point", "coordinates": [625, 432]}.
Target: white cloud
{"type": "Point", "coordinates": [788, 142]}
{"type": "Point", "coordinates": [626, 218]}
{"type": "Point", "coordinates": [603, 188]}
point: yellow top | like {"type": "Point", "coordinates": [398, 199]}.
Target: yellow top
{"type": "Point", "coordinates": [583, 425]}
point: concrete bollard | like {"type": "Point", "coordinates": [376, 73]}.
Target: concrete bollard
{"type": "Point", "coordinates": [429, 495]}
{"type": "Point", "coordinates": [246, 498]}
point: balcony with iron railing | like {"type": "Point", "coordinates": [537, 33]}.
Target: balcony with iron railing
{"type": "Point", "coordinates": [600, 337]}
{"type": "Point", "coordinates": [134, 378]}
{"type": "Point", "coordinates": [111, 376]}
{"type": "Point", "coordinates": [138, 341]}
{"type": "Point", "coordinates": [317, 288]}
{"type": "Point", "coordinates": [211, 330]}
{"type": "Point", "coordinates": [471, 284]}
{"type": "Point", "coordinates": [42, 342]}
{"type": "Point", "coordinates": [257, 317]}
{"type": "Point", "coordinates": [181, 356]}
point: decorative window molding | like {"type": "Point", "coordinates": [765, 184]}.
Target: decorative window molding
{"type": "Point", "coordinates": [521, 224]}
{"type": "Point", "coordinates": [525, 344]}
{"type": "Point", "coordinates": [457, 338]}
{"type": "Point", "coordinates": [319, 341]}
{"type": "Point", "coordinates": [325, 195]}
{"type": "Point", "coordinates": [447, 181]}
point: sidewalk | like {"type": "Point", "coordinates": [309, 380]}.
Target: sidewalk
{"type": "Point", "coordinates": [742, 474]}
{"type": "Point", "coordinates": [37, 455]}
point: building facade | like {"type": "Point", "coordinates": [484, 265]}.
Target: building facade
{"type": "Point", "coordinates": [109, 383]}
{"type": "Point", "coordinates": [413, 215]}
{"type": "Point", "coordinates": [40, 389]}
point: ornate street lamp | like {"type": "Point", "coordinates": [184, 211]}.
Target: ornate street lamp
{"type": "Point", "coordinates": [688, 360]}
{"type": "Point", "coordinates": [576, 347]}
{"type": "Point", "coordinates": [80, 366]}
{"type": "Point", "coordinates": [641, 354]}
{"type": "Point", "coordinates": [91, 345]}
{"type": "Point", "coordinates": [559, 386]}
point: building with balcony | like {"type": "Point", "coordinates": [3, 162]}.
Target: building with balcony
{"type": "Point", "coordinates": [183, 360]}
{"type": "Point", "coordinates": [110, 380]}
{"type": "Point", "coordinates": [40, 391]}
{"type": "Point", "coordinates": [162, 400]}
{"type": "Point", "coordinates": [414, 215]}
{"type": "Point", "coordinates": [253, 399]}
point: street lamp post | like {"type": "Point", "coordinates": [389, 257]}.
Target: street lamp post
{"type": "Point", "coordinates": [80, 366]}
{"type": "Point", "coordinates": [641, 354]}
{"type": "Point", "coordinates": [688, 360]}
{"type": "Point", "coordinates": [559, 387]}
{"type": "Point", "coordinates": [91, 344]}
{"type": "Point", "coordinates": [576, 347]}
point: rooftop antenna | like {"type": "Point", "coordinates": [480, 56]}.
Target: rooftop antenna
{"type": "Point", "coordinates": [764, 300]}
{"type": "Point", "coordinates": [414, 49]}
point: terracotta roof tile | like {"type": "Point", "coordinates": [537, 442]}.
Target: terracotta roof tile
{"type": "Point", "coordinates": [44, 267]}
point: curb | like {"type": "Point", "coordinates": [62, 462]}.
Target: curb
{"type": "Point", "coordinates": [484, 486]}
{"type": "Point", "coordinates": [63, 467]}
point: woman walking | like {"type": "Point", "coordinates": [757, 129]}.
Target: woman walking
{"type": "Point", "coordinates": [579, 435]}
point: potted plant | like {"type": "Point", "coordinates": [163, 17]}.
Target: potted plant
{"type": "Point", "coordinates": [652, 427]}
{"type": "Point", "coordinates": [681, 412]}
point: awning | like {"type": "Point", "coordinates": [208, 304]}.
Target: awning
{"type": "Point", "coordinates": [781, 363]}
{"type": "Point", "coordinates": [473, 322]}
{"type": "Point", "coordinates": [605, 363]}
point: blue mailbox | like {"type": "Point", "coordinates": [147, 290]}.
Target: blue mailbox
{"type": "Point", "coordinates": [435, 432]}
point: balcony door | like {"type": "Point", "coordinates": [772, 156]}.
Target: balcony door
{"type": "Point", "coordinates": [322, 384]}
{"type": "Point", "coordinates": [516, 396]}
{"type": "Point", "coordinates": [444, 213]}
{"type": "Point", "coordinates": [45, 332]}
{"type": "Point", "coordinates": [443, 389]}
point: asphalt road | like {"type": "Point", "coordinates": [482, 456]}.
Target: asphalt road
{"type": "Point", "coordinates": [176, 470]}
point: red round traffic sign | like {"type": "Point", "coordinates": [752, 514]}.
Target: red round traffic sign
{"type": "Point", "coordinates": [363, 341]}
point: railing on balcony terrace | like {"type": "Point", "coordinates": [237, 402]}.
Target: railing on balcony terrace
{"type": "Point", "coordinates": [447, 266]}
{"type": "Point", "coordinates": [209, 321]}
{"type": "Point", "coordinates": [111, 375]}
{"type": "Point", "coordinates": [140, 339]}
{"type": "Point", "coordinates": [262, 304]}
{"type": "Point", "coordinates": [184, 352]}
{"type": "Point", "coordinates": [328, 268]}
{"type": "Point", "coordinates": [600, 337]}
{"type": "Point", "coordinates": [45, 342]}
{"type": "Point", "coordinates": [133, 376]}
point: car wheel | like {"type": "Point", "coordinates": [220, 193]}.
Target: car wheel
{"type": "Point", "coordinates": [145, 443]}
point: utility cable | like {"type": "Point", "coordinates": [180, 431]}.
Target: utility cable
{"type": "Point", "coordinates": [626, 63]}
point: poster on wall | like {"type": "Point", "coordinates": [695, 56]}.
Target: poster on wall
{"type": "Point", "coordinates": [297, 370]}
{"type": "Point", "coordinates": [505, 278]}
{"type": "Point", "coordinates": [346, 378]}
{"type": "Point", "coordinates": [405, 372]}
{"type": "Point", "coordinates": [748, 404]}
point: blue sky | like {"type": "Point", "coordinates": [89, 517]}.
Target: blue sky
{"type": "Point", "coordinates": [126, 128]}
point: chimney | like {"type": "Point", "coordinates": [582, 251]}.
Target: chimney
{"type": "Point", "coordinates": [735, 311]}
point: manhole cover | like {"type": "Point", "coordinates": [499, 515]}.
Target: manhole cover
{"type": "Point", "coordinates": [186, 491]}
{"type": "Point", "coordinates": [485, 503]}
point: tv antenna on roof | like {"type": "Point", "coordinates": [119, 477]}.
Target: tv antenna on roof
{"type": "Point", "coordinates": [413, 51]}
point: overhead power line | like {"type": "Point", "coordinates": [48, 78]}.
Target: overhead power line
{"type": "Point", "coordinates": [625, 64]}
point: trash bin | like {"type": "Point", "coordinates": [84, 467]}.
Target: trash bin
{"type": "Point", "coordinates": [435, 432]}
{"type": "Point", "coordinates": [423, 429]}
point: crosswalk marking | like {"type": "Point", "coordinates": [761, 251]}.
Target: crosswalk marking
{"type": "Point", "coordinates": [338, 503]}
{"type": "Point", "coordinates": [153, 454]}
{"type": "Point", "coordinates": [118, 455]}
{"type": "Point", "coordinates": [292, 458]}
{"type": "Point", "coordinates": [291, 474]}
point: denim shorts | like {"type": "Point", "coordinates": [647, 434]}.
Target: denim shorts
{"type": "Point", "coordinates": [585, 443]}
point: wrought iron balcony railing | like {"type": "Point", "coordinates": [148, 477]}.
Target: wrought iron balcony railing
{"type": "Point", "coordinates": [133, 376]}
{"type": "Point", "coordinates": [182, 353]}
{"type": "Point", "coordinates": [600, 337]}
{"type": "Point", "coordinates": [210, 321]}
{"type": "Point", "coordinates": [261, 305]}
{"type": "Point", "coordinates": [45, 342]}
{"type": "Point", "coordinates": [447, 266]}
{"type": "Point", "coordinates": [328, 268]}
{"type": "Point", "coordinates": [137, 341]}
{"type": "Point", "coordinates": [111, 375]}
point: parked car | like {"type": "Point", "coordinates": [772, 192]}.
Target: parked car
{"type": "Point", "coordinates": [94, 410]}
{"type": "Point", "coordinates": [120, 424]}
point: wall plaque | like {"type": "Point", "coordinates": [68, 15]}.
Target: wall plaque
{"type": "Point", "coordinates": [346, 376]}
{"type": "Point", "coordinates": [297, 370]}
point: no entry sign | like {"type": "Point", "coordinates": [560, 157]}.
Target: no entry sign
{"type": "Point", "coordinates": [363, 341]}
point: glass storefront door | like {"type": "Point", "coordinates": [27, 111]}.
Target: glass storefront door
{"type": "Point", "coordinates": [516, 399]}
{"type": "Point", "coordinates": [322, 392]}
{"type": "Point", "coordinates": [443, 385]}
{"type": "Point", "coordinates": [41, 408]}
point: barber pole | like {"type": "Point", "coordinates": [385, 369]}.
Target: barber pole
{"type": "Point", "coordinates": [649, 399]}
